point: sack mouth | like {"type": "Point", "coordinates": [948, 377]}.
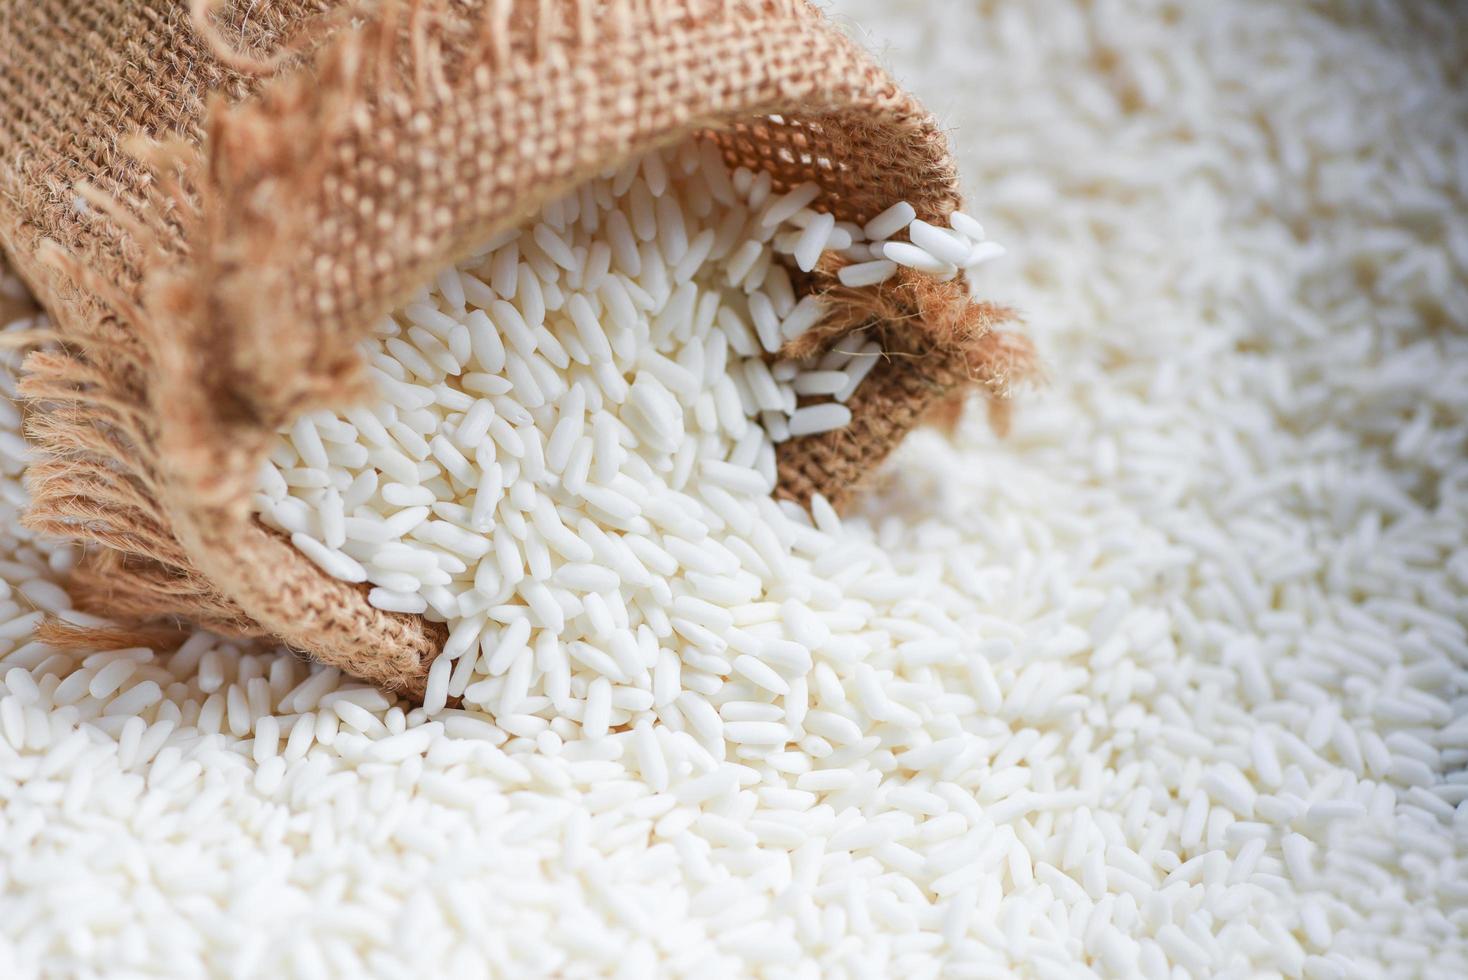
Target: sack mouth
{"type": "Point", "coordinates": [322, 201]}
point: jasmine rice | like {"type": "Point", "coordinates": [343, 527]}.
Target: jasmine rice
{"type": "Point", "coordinates": [1170, 681]}
{"type": "Point", "coordinates": [572, 460]}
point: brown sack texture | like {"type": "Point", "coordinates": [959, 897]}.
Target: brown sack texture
{"type": "Point", "coordinates": [214, 222]}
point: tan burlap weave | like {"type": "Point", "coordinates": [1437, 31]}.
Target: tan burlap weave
{"type": "Point", "coordinates": [214, 205]}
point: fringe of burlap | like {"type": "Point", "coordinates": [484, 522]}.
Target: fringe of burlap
{"type": "Point", "coordinates": [938, 344]}
{"type": "Point", "coordinates": [216, 207]}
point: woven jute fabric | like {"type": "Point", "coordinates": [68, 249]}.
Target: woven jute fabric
{"type": "Point", "coordinates": [215, 202]}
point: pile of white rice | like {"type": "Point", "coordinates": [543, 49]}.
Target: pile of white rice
{"type": "Point", "coordinates": [1171, 679]}
{"type": "Point", "coordinates": [572, 459]}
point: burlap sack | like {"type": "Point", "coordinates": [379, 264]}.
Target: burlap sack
{"type": "Point", "coordinates": [214, 204]}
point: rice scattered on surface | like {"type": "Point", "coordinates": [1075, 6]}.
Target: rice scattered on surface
{"type": "Point", "coordinates": [1204, 707]}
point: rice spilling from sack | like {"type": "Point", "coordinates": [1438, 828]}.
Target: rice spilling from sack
{"type": "Point", "coordinates": [574, 455]}
{"type": "Point", "coordinates": [1209, 715]}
